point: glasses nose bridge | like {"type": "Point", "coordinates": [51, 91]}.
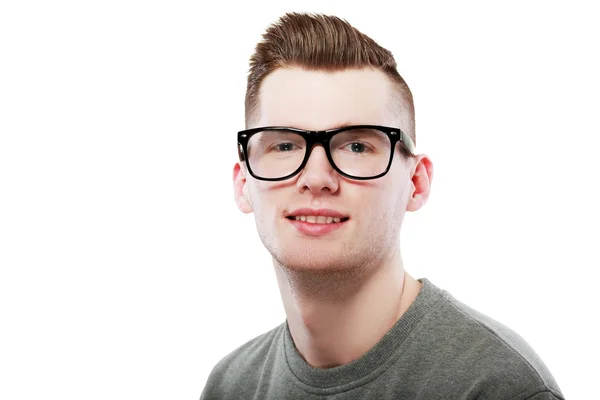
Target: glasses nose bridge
{"type": "Point", "coordinates": [317, 170]}
{"type": "Point", "coordinates": [317, 137]}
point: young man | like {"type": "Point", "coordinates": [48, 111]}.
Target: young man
{"type": "Point", "coordinates": [328, 167]}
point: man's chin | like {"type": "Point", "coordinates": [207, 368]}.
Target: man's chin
{"type": "Point", "coordinates": [316, 262]}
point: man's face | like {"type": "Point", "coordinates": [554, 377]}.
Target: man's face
{"type": "Point", "coordinates": [316, 100]}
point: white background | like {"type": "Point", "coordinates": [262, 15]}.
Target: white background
{"type": "Point", "coordinates": [127, 272]}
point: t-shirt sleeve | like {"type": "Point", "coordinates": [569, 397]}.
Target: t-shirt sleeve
{"type": "Point", "coordinates": [214, 387]}
{"type": "Point", "coordinates": [210, 390]}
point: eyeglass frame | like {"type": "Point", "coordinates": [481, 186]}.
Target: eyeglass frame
{"type": "Point", "coordinates": [323, 137]}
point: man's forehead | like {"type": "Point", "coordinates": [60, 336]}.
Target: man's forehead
{"type": "Point", "coordinates": [324, 100]}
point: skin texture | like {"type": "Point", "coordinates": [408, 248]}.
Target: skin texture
{"type": "Point", "coordinates": [343, 291]}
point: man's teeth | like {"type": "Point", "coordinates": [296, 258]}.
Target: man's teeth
{"type": "Point", "coordinates": [317, 219]}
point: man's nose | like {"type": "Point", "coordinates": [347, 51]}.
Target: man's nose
{"type": "Point", "coordinates": [318, 174]}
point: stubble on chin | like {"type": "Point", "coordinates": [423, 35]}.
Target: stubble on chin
{"type": "Point", "coordinates": [328, 275]}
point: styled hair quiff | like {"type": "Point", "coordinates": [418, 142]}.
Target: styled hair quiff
{"type": "Point", "coordinates": [323, 43]}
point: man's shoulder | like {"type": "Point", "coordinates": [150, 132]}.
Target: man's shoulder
{"type": "Point", "coordinates": [242, 362]}
{"type": "Point", "coordinates": [252, 350]}
{"type": "Point", "coordinates": [490, 352]}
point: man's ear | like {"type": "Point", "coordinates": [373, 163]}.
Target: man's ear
{"type": "Point", "coordinates": [239, 189]}
{"type": "Point", "coordinates": [421, 177]}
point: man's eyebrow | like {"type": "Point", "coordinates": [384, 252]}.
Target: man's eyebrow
{"type": "Point", "coordinates": [336, 126]}
{"type": "Point", "coordinates": [342, 125]}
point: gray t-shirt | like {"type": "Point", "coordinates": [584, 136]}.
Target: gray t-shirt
{"type": "Point", "coordinates": [439, 349]}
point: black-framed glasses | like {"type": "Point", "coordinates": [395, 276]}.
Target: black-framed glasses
{"type": "Point", "coordinates": [275, 153]}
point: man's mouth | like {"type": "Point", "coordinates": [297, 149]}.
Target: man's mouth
{"type": "Point", "coordinates": [317, 219]}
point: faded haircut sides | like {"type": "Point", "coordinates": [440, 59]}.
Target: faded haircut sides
{"type": "Point", "coordinates": [323, 43]}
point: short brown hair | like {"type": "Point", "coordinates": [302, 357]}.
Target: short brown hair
{"type": "Point", "coordinates": [320, 42]}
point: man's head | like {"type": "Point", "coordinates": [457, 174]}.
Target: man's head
{"type": "Point", "coordinates": [319, 73]}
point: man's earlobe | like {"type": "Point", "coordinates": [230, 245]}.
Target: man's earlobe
{"type": "Point", "coordinates": [421, 181]}
{"type": "Point", "coordinates": [239, 189]}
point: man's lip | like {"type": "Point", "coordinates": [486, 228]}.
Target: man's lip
{"type": "Point", "coordinates": [320, 212]}
{"type": "Point", "coordinates": [316, 229]}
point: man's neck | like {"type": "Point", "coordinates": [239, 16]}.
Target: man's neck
{"type": "Point", "coordinates": [336, 318]}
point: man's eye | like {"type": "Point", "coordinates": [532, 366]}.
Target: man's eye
{"type": "Point", "coordinates": [284, 146]}
{"type": "Point", "coordinates": [356, 147]}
